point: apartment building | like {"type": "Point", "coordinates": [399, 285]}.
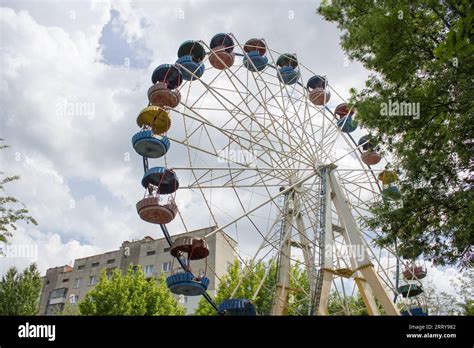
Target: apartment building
{"type": "Point", "coordinates": [69, 284]}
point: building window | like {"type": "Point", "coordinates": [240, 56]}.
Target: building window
{"type": "Point", "coordinates": [148, 253]}
{"type": "Point", "coordinates": [110, 261]}
{"type": "Point", "coordinates": [92, 280]}
{"type": "Point", "coordinates": [149, 270]}
{"type": "Point", "coordinates": [65, 280]}
{"type": "Point", "coordinates": [73, 299]}
{"type": "Point", "coordinates": [47, 282]}
{"type": "Point", "coordinates": [166, 249]}
{"type": "Point", "coordinates": [166, 267]}
{"type": "Point", "coordinates": [95, 264]}
{"type": "Point", "coordinates": [56, 293]}
{"type": "Point", "coordinates": [77, 283]}
{"type": "Point", "coordinates": [81, 267]}
{"type": "Point", "coordinates": [183, 299]}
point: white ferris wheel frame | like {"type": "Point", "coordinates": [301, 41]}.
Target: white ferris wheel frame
{"type": "Point", "coordinates": [301, 156]}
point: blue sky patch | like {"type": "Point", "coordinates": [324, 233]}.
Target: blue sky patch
{"type": "Point", "coordinates": [115, 48]}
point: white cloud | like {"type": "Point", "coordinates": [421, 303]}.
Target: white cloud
{"type": "Point", "coordinates": [47, 67]}
{"type": "Point", "coordinates": [45, 249]}
{"type": "Point", "coordinates": [442, 279]}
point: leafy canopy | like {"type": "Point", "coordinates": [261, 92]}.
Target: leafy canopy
{"type": "Point", "coordinates": [252, 276]}
{"type": "Point", "coordinates": [421, 52]}
{"type": "Point", "coordinates": [10, 214]}
{"type": "Point", "coordinates": [130, 294]}
{"type": "Point", "coordinates": [20, 292]}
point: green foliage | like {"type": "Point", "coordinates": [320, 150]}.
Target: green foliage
{"type": "Point", "coordinates": [20, 292]}
{"type": "Point", "coordinates": [421, 52]}
{"type": "Point", "coordinates": [130, 294]}
{"type": "Point", "coordinates": [461, 302]}
{"type": "Point", "coordinates": [354, 305]}
{"type": "Point", "coordinates": [9, 214]}
{"type": "Point", "coordinates": [298, 299]}
{"type": "Point", "coordinates": [246, 290]}
{"type": "Point", "coordinates": [468, 307]}
{"type": "Point", "coordinates": [68, 310]}
{"type": "Point", "coordinates": [298, 302]}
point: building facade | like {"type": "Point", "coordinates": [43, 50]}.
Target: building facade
{"type": "Point", "coordinates": [68, 285]}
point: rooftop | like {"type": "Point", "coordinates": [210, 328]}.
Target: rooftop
{"type": "Point", "coordinates": [143, 240]}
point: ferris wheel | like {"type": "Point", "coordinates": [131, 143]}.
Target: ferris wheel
{"type": "Point", "coordinates": [264, 149]}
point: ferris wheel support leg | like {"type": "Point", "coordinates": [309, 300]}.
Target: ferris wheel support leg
{"type": "Point", "coordinates": [359, 255]}
{"type": "Point", "coordinates": [379, 291]}
{"type": "Point", "coordinates": [280, 304]}
{"type": "Point", "coordinates": [327, 264]}
{"type": "Point", "coordinates": [325, 291]}
{"type": "Point", "coordinates": [308, 259]}
{"type": "Point", "coordinates": [364, 288]}
{"type": "Point", "coordinates": [367, 295]}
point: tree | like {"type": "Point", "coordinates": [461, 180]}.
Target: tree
{"type": "Point", "coordinates": [20, 292]}
{"type": "Point", "coordinates": [353, 305]}
{"type": "Point", "coordinates": [460, 302]}
{"type": "Point", "coordinates": [252, 277]}
{"type": "Point", "coordinates": [249, 285]}
{"type": "Point", "coordinates": [9, 214]}
{"type": "Point", "coordinates": [298, 301]}
{"type": "Point", "coordinates": [421, 53]}
{"type": "Point", "coordinates": [130, 294]}
{"type": "Point", "coordinates": [69, 309]}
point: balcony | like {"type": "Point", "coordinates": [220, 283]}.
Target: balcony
{"type": "Point", "coordinates": [56, 300]}
{"type": "Point", "coordinates": [57, 296]}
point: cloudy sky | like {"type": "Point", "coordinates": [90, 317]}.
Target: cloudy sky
{"type": "Point", "coordinates": [79, 174]}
